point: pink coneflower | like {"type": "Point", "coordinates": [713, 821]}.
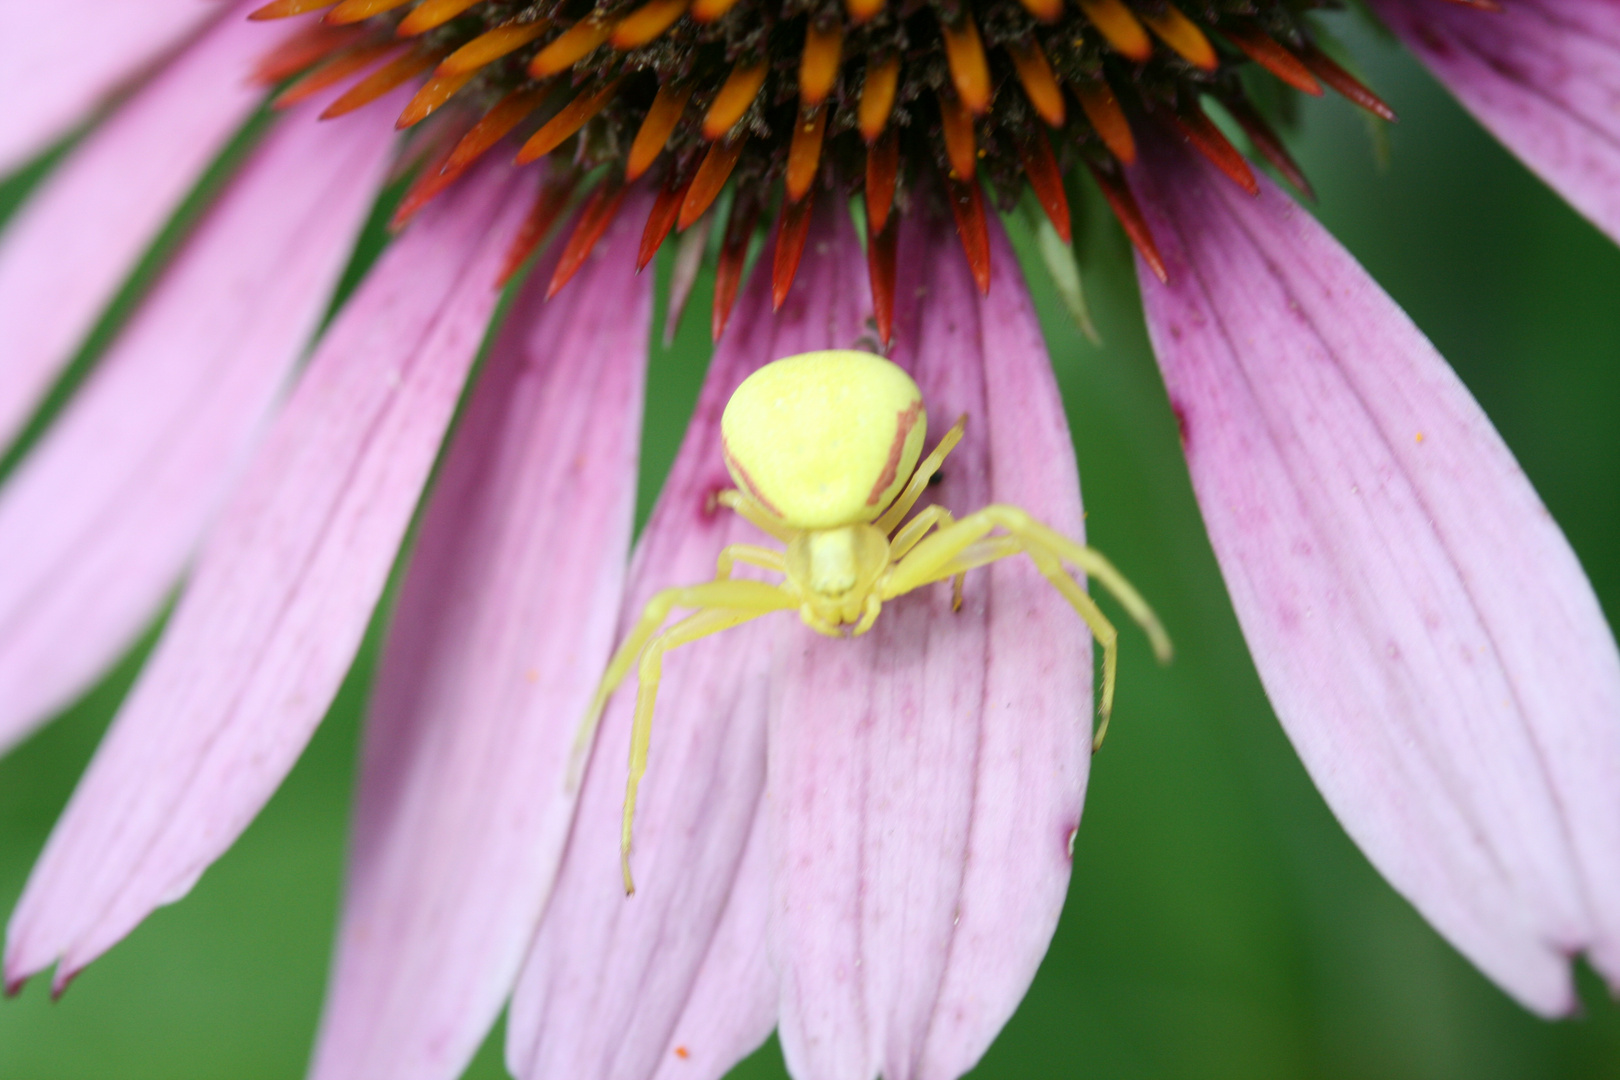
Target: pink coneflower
{"type": "Point", "coordinates": [863, 844]}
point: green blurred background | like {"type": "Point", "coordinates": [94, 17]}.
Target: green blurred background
{"type": "Point", "coordinates": [1220, 923]}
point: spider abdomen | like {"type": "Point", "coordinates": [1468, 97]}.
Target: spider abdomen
{"type": "Point", "coordinates": [825, 438]}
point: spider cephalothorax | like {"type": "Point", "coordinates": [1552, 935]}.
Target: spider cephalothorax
{"type": "Point", "coordinates": [824, 448]}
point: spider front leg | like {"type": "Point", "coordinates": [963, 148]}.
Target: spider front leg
{"type": "Point", "coordinates": [711, 620]}
{"type": "Point", "coordinates": [751, 554]}
{"type": "Point", "coordinates": [966, 544]}
{"type": "Point", "coordinates": [755, 596]}
{"type": "Point", "coordinates": [929, 517]}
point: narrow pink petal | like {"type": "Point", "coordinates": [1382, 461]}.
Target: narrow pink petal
{"type": "Point", "coordinates": [925, 778]}
{"type": "Point", "coordinates": [1543, 76]}
{"type": "Point", "coordinates": [605, 987]}
{"type": "Point", "coordinates": [98, 522]}
{"type": "Point", "coordinates": [282, 593]}
{"type": "Point", "coordinates": [72, 245]}
{"type": "Point", "coordinates": [62, 63]}
{"type": "Point", "coordinates": [1423, 629]}
{"type": "Point", "coordinates": [1035, 731]}
{"type": "Point", "coordinates": [731, 1006]}
{"type": "Point", "coordinates": [504, 624]}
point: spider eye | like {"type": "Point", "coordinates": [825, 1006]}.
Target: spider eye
{"type": "Point", "coordinates": [824, 438]}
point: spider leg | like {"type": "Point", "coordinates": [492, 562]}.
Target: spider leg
{"type": "Point", "coordinates": [929, 517]}
{"type": "Point", "coordinates": [964, 545]}
{"type": "Point", "coordinates": [752, 554]}
{"type": "Point", "coordinates": [910, 533]}
{"type": "Point", "coordinates": [756, 515]}
{"type": "Point", "coordinates": [754, 596]}
{"type": "Point", "coordinates": [693, 628]}
{"type": "Point", "coordinates": [920, 476]}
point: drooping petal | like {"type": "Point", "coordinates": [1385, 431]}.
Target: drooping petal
{"type": "Point", "coordinates": [99, 520]}
{"type": "Point", "coordinates": [504, 624]}
{"type": "Point", "coordinates": [604, 991]}
{"type": "Point", "coordinates": [65, 254]}
{"type": "Point", "coordinates": [1034, 749]}
{"type": "Point", "coordinates": [61, 64]}
{"type": "Point", "coordinates": [731, 1006]}
{"type": "Point", "coordinates": [282, 593]}
{"type": "Point", "coordinates": [1543, 76]}
{"type": "Point", "coordinates": [925, 779]}
{"type": "Point", "coordinates": [1422, 628]}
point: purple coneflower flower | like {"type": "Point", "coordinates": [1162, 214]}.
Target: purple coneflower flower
{"type": "Point", "coordinates": [864, 844]}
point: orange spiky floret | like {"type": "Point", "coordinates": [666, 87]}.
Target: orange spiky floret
{"type": "Point", "coordinates": [1101, 107]}
{"type": "Point", "coordinates": [309, 46]}
{"type": "Point", "coordinates": [729, 268]}
{"type": "Point", "coordinates": [957, 127]}
{"type": "Point", "coordinates": [818, 66]}
{"type": "Point", "coordinates": [661, 218]}
{"type": "Point", "coordinates": [862, 11]}
{"type": "Point", "coordinates": [549, 203]}
{"type": "Point", "coordinates": [1207, 139]}
{"type": "Point", "coordinates": [733, 98]}
{"type": "Point", "coordinates": [491, 45]}
{"type": "Point", "coordinates": [882, 170]}
{"type": "Point", "coordinates": [353, 11]}
{"type": "Point", "coordinates": [967, 206]}
{"type": "Point", "coordinates": [1182, 35]}
{"type": "Point", "coordinates": [804, 155]}
{"type": "Point", "coordinates": [570, 47]}
{"type": "Point", "coordinates": [379, 82]}
{"type": "Point", "coordinates": [1324, 68]}
{"type": "Point", "coordinates": [970, 71]}
{"type": "Point", "coordinates": [333, 71]}
{"type": "Point", "coordinates": [593, 222]}
{"type": "Point", "coordinates": [495, 125]}
{"type": "Point", "coordinates": [1119, 28]}
{"type": "Point", "coordinates": [881, 247]}
{"type": "Point", "coordinates": [711, 177]}
{"type": "Point", "coordinates": [431, 14]}
{"type": "Point", "coordinates": [1270, 146]}
{"type": "Point", "coordinates": [1046, 181]}
{"type": "Point", "coordinates": [1123, 204]}
{"type": "Point", "coordinates": [657, 127]}
{"type": "Point", "coordinates": [1047, 11]}
{"type": "Point", "coordinates": [646, 23]}
{"type": "Point", "coordinates": [792, 229]}
{"type": "Point", "coordinates": [1272, 55]}
{"type": "Point", "coordinates": [283, 9]}
{"type": "Point", "coordinates": [439, 140]}
{"type": "Point", "coordinates": [490, 129]}
{"type": "Point", "coordinates": [709, 10]}
{"type": "Point", "coordinates": [1040, 85]}
{"type": "Point", "coordinates": [568, 120]}
{"type": "Point", "coordinates": [877, 97]}
{"type": "Point", "coordinates": [434, 93]}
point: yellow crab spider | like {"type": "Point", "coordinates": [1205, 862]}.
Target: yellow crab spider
{"type": "Point", "coordinates": [824, 447]}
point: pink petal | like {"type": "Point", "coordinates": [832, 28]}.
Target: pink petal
{"type": "Point", "coordinates": [283, 592]}
{"type": "Point", "coordinates": [98, 522]}
{"type": "Point", "coordinates": [1034, 748]}
{"type": "Point", "coordinates": [504, 624]}
{"type": "Point", "coordinates": [604, 991]}
{"type": "Point", "coordinates": [1543, 76]}
{"type": "Point", "coordinates": [62, 63]}
{"type": "Point", "coordinates": [1423, 629]}
{"type": "Point", "coordinates": [65, 254]}
{"type": "Point", "coordinates": [731, 1006]}
{"type": "Point", "coordinates": [925, 779]}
